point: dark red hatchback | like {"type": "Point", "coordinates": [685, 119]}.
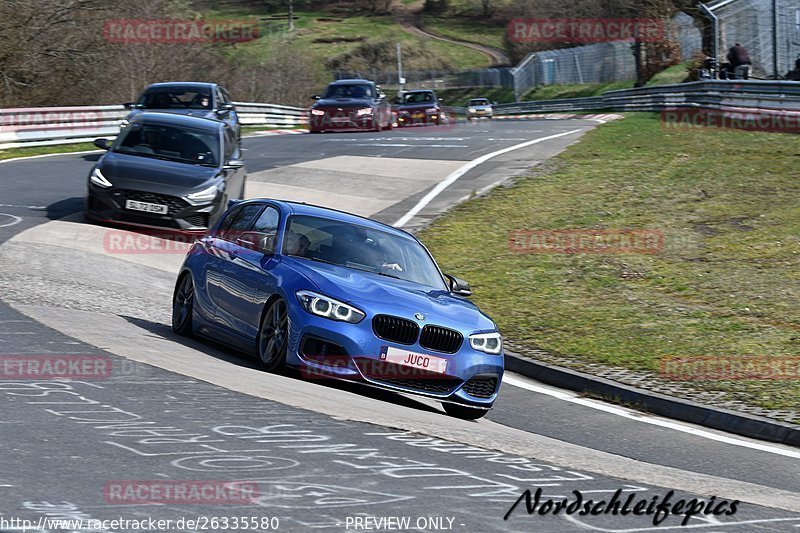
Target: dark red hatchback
{"type": "Point", "coordinates": [349, 105]}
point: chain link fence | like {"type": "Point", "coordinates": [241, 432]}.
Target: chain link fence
{"type": "Point", "coordinates": [753, 23]}
{"type": "Point", "coordinates": [770, 31]}
{"type": "Point", "coordinates": [434, 79]}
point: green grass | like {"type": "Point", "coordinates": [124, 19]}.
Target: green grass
{"type": "Point", "coordinates": [11, 153]}
{"type": "Point", "coordinates": [551, 92]}
{"type": "Point", "coordinates": [465, 30]}
{"type": "Point", "coordinates": [459, 97]}
{"type": "Point", "coordinates": [674, 74]}
{"type": "Point", "coordinates": [725, 284]}
{"type": "Point", "coordinates": [346, 31]}
{"type": "Point", "coordinates": [671, 75]}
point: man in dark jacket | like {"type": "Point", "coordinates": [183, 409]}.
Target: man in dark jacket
{"type": "Point", "coordinates": [740, 62]}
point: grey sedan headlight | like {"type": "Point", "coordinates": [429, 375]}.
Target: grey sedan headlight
{"type": "Point", "coordinates": [491, 343]}
{"type": "Point", "coordinates": [206, 195]}
{"type": "Point", "coordinates": [326, 307]}
{"type": "Point", "coordinates": [98, 179]}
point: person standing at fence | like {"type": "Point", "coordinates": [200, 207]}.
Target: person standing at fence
{"type": "Point", "coordinates": [739, 61]}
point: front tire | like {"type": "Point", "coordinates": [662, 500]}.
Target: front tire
{"type": "Point", "coordinates": [463, 412]}
{"type": "Point", "coordinates": [183, 306]}
{"type": "Point", "coordinates": [273, 336]}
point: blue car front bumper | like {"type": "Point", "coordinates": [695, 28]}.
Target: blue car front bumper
{"type": "Point", "coordinates": [325, 349]}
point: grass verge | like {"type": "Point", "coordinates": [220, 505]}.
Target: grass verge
{"type": "Point", "coordinates": [11, 153]}
{"type": "Point", "coordinates": [725, 284]}
{"type": "Point", "coordinates": [326, 33]}
{"type": "Point", "coordinates": [671, 75]}
{"type": "Point", "coordinates": [463, 29]}
{"type": "Point", "coordinates": [551, 92]}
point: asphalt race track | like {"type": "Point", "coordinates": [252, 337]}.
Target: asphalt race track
{"type": "Point", "coordinates": [322, 455]}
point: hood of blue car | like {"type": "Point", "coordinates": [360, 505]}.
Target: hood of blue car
{"type": "Point", "coordinates": [133, 172]}
{"type": "Point", "coordinates": [376, 294]}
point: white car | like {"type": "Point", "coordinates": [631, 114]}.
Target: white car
{"type": "Point", "coordinates": [479, 107]}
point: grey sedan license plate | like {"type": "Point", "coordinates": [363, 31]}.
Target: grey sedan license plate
{"type": "Point", "coordinates": [146, 206]}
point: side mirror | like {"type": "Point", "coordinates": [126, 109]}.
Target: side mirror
{"type": "Point", "coordinates": [105, 144]}
{"type": "Point", "coordinates": [225, 109]}
{"type": "Point", "coordinates": [458, 286]}
{"type": "Point", "coordinates": [254, 240]}
{"type": "Point", "coordinates": [248, 239]}
{"type": "Point", "coordinates": [233, 164]}
{"type": "Point", "coordinates": [316, 97]}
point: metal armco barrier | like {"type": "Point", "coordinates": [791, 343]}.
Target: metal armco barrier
{"type": "Point", "coordinates": [724, 95]}
{"type": "Point", "coordinates": [38, 126]}
{"type": "Point", "coordinates": [253, 114]}
{"type": "Point", "coordinates": [41, 126]}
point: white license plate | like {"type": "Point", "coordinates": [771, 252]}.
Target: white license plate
{"type": "Point", "coordinates": [145, 206]}
{"type": "Point", "coordinates": [340, 120]}
{"type": "Point", "coordinates": [415, 360]}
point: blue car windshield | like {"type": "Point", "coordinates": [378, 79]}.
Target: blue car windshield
{"type": "Point", "coordinates": [159, 141]}
{"type": "Point", "coordinates": [361, 248]}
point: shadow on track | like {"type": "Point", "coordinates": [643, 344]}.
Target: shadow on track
{"type": "Point", "coordinates": [229, 355]}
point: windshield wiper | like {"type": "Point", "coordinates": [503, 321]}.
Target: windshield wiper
{"type": "Point", "coordinates": [390, 276]}
{"type": "Point", "coordinates": [142, 154]}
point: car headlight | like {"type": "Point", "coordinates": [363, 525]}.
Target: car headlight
{"type": "Point", "coordinates": [124, 123]}
{"type": "Point", "coordinates": [491, 343]}
{"type": "Point", "coordinates": [206, 195]}
{"type": "Point", "coordinates": [326, 307]}
{"type": "Point", "coordinates": [472, 110]}
{"type": "Point", "coordinates": [98, 179]}
{"type": "Point", "coordinates": [365, 111]}
{"type": "Point", "coordinates": [318, 112]}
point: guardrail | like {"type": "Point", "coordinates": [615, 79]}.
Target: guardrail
{"type": "Point", "coordinates": [778, 97]}
{"type": "Point", "coordinates": [42, 126]}
{"type": "Point", "coordinates": [38, 126]}
{"type": "Point", "coordinates": [253, 114]}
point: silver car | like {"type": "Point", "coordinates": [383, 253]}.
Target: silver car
{"type": "Point", "coordinates": [479, 107]}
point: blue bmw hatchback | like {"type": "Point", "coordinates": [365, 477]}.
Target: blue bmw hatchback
{"type": "Point", "coordinates": [339, 296]}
